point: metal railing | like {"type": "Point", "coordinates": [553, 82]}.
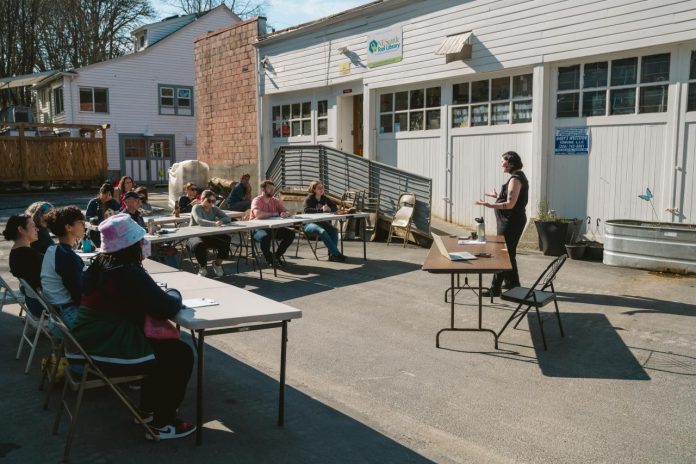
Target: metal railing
{"type": "Point", "coordinates": [295, 166]}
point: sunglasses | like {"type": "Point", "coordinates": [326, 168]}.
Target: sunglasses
{"type": "Point", "coordinates": [45, 208]}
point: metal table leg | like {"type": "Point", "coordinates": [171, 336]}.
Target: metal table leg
{"type": "Point", "coordinates": [364, 220]}
{"type": "Point", "coordinates": [283, 352]}
{"type": "Point", "coordinates": [199, 389]}
{"type": "Point", "coordinates": [273, 253]}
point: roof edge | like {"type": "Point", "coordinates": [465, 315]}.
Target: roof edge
{"type": "Point", "coordinates": [346, 15]}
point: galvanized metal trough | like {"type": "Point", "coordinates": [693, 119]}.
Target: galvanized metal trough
{"type": "Point", "coordinates": [650, 245]}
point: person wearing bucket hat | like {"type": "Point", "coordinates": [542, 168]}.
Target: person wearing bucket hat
{"type": "Point", "coordinates": [38, 212]}
{"type": "Point", "coordinates": [118, 294]}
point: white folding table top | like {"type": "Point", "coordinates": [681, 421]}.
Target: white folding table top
{"type": "Point", "coordinates": [235, 306]}
{"type": "Point", "coordinates": [185, 281]}
{"type": "Point", "coordinates": [153, 267]}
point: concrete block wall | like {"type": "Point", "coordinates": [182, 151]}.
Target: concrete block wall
{"type": "Point", "coordinates": [225, 74]}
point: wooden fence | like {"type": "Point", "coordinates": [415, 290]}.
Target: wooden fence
{"type": "Point", "coordinates": [26, 158]}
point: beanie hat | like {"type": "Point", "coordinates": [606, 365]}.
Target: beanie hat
{"type": "Point", "coordinates": [119, 232]}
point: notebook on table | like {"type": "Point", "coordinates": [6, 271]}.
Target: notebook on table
{"type": "Point", "coordinates": [454, 255]}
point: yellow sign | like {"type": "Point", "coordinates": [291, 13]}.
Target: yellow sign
{"type": "Point", "coordinates": [344, 68]}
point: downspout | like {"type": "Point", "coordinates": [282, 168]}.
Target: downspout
{"type": "Point", "coordinates": [259, 102]}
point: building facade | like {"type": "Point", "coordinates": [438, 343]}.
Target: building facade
{"type": "Point", "coordinates": [598, 97]}
{"type": "Point", "coordinates": [147, 97]}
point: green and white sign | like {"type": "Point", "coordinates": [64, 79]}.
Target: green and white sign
{"type": "Point", "coordinates": [384, 47]}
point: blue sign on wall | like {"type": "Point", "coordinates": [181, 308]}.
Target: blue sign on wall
{"type": "Point", "coordinates": [572, 141]}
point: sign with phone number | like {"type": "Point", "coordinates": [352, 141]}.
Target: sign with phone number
{"type": "Point", "coordinates": [572, 141]}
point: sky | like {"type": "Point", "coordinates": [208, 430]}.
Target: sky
{"type": "Point", "coordinates": [286, 13]}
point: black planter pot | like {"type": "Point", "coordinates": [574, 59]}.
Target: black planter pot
{"type": "Point", "coordinates": [576, 250]}
{"type": "Point", "coordinates": [553, 236]}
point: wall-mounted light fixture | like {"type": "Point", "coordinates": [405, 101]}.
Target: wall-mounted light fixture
{"type": "Point", "coordinates": [342, 50]}
{"type": "Point", "coordinates": [265, 61]}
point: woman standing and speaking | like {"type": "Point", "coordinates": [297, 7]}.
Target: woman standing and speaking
{"type": "Point", "coordinates": [510, 216]}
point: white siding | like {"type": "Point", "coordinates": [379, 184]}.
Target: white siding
{"type": "Point", "coordinates": [507, 34]}
{"type": "Point", "coordinates": [132, 81]}
{"type": "Point", "coordinates": [623, 161]}
{"type": "Point", "coordinates": [476, 170]}
{"type": "Point", "coordinates": [686, 182]}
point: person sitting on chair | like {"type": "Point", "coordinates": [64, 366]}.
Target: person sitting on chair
{"type": "Point", "coordinates": [97, 210]}
{"type": "Point", "coordinates": [133, 202]}
{"type": "Point", "coordinates": [61, 269]}
{"type": "Point", "coordinates": [38, 212]}
{"type": "Point", "coordinates": [208, 215]}
{"type": "Point", "coordinates": [118, 295]}
{"type": "Point", "coordinates": [145, 207]}
{"type": "Point", "coordinates": [189, 199]}
{"type": "Point", "coordinates": [239, 198]}
{"type": "Point", "coordinates": [317, 202]}
{"type": "Point", "coordinates": [25, 262]}
{"type": "Point", "coordinates": [125, 185]}
{"type": "Point", "coordinates": [266, 206]}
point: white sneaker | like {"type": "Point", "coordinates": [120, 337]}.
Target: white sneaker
{"type": "Point", "coordinates": [203, 272]}
{"type": "Point", "coordinates": [219, 271]}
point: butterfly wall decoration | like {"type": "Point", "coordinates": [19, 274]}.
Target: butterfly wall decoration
{"type": "Point", "coordinates": [647, 196]}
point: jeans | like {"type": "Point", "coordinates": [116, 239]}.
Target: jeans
{"type": "Point", "coordinates": [199, 247]}
{"type": "Point", "coordinates": [164, 387]}
{"type": "Point", "coordinates": [512, 233]}
{"type": "Point", "coordinates": [327, 233]}
{"type": "Point", "coordinates": [263, 236]}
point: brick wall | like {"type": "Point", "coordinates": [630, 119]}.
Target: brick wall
{"type": "Point", "coordinates": [225, 99]}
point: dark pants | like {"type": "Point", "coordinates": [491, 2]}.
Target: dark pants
{"type": "Point", "coordinates": [263, 236]}
{"type": "Point", "coordinates": [199, 247]}
{"type": "Point", "coordinates": [164, 387]}
{"type": "Point", "coordinates": [512, 231]}
{"type": "Point", "coordinates": [240, 206]}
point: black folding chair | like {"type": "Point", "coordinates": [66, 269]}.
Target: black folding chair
{"type": "Point", "coordinates": [91, 377]}
{"type": "Point", "coordinates": [538, 295]}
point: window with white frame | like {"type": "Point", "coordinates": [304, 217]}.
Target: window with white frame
{"type": "Point", "coordinates": [502, 100]}
{"type": "Point", "coordinates": [323, 117]}
{"type": "Point", "coordinates": [58, 100]}
{"type": "Point", "coordinates": [614, 87]}
{"type": "Point", "coordinates": [94, 100]}
{"type": "Point", "coordinates": [413, 110]}
{"type": "Point", "coordinates": [691, 101]}
{"type": "Point", "coordinates": [292, 120]}
{"type": "Point", "coordinates": [175, 100]}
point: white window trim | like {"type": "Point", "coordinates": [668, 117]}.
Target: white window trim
{"type": "Point", "coordinates": [609, 119]}
{"type": "Point", "coordinates": [420, 133]}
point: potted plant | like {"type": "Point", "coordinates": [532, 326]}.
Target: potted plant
{"type": "Point", "coordinates": [554, 233]}
{"type": "Point", "coordinates": [575, 249]}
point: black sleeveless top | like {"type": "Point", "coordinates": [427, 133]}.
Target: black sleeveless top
{"type": "Point", "coordinates": [518, 213]}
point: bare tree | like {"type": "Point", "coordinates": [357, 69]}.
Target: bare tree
{"type": "Point", "coordinates": [242, 8]}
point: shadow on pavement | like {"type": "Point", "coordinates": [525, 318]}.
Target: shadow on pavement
{"type": "Point", "coordinates": [634, 304]}
{"type": "Point", "coordinates": [241, 410]}
{"type": "Point", "coordinates": [591, 349]}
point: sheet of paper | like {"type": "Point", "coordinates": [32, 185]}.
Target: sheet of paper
{"type": "Point", "coordinates": [469, 242]}
{"type": "Point", "coordinates": [199, 302]}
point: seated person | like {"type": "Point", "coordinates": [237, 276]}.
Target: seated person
{"type": "Point", "coordinates": [189, 199]}
{"type": "Point", "coordinates": [239, 198]}
{"type": "Point", "coordinates": [38, 211]}
{"type": "Point", "coordinates": [98, 209]}
{"type": "Point", "coordinates": [133, 201]}
{"type": "Point", "coordinates": [61, 270]}
{"type": "Point", "coordinates": [25, 262]}
{"type": "Point", "coordinates": [208, 215]}
{"type": "Point", "coordinates": [267, 206]}
{"type": "Point", "coordinates": [118, 294]}
{"type": "Point", "coordinates": [125, 185]}
{"type": "Point", "coordinates": [317, 202]}
{"type": "Point", "coordinates": [145, 207]}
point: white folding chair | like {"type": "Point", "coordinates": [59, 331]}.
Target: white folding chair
{"type": "Point", "coordinates": [33, 328]}
{"type": "Point", "coordinates": [10, 296]}
{"type": "Point", "coordinates": [403, 218]}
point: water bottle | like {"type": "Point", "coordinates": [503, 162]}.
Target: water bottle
{"type": "Point", "coordinates": [481, 229]}
{"type": "Point", "coordinates": [151, 227]}
{"type": "Point", "coordinates": [87, 245]}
